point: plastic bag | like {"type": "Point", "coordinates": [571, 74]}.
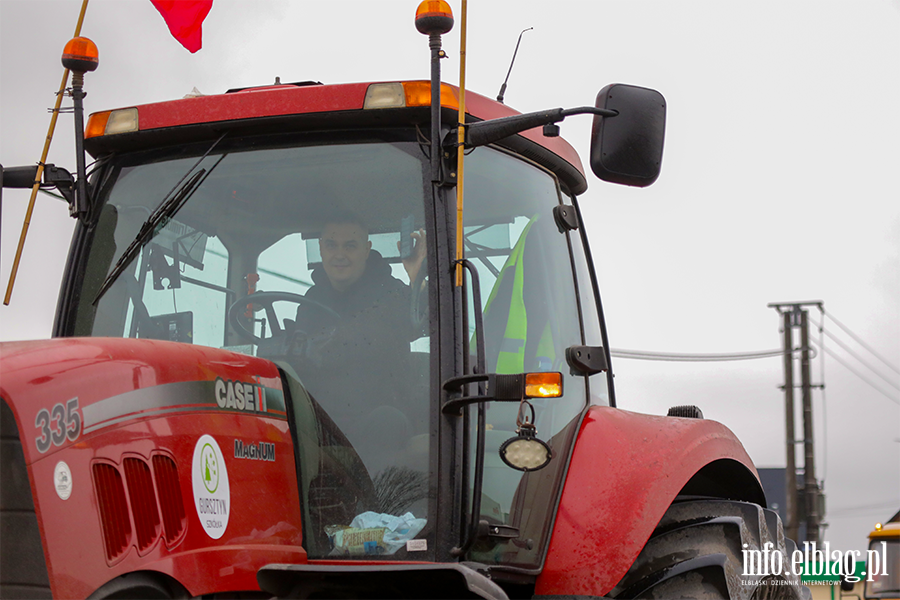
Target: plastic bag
{"type": "Point", "coordinates": [374, 533]}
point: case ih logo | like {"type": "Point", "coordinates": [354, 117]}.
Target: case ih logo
{"type": "Point", "coordinates": [240, 396]}
{"type": "Point", "coordinates": [257, 451]}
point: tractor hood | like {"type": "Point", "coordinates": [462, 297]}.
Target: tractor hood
{"type": "Point", "coordinates": [160, 449]}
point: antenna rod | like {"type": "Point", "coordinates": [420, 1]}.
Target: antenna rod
{"type": "Point", "coordinates": [516, 51]}
{"type": "Point", "coordinates": [460, 146]}
{"type": "Point", "coordinates": [40, 170]}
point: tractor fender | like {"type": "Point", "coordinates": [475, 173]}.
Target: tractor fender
{"type": "Point", "coordinates": [626, 470]}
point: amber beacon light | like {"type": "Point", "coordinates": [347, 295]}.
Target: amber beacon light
{"type": "Point", "coordinates": [434, 17]}
{"type": "Point", "coordinates": [80, 55]}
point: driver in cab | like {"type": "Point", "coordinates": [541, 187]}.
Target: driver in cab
{"type": "Point", "coordinates": [356, 330]}
{"type": "Point", "coordinates": [352, 274]}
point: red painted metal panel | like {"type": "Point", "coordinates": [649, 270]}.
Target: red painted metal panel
{"type": "Point", "coordinates": [111, 378]}
{"type": "Point", "coordinates": [292, 100]}
{"type": "Point", "coordinates": [253, 103]}
{"type": "Point", "coordinates": [625, 471]}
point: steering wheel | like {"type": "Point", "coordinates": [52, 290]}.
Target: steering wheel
{"type": "Point", "coordinates": [267, 300]}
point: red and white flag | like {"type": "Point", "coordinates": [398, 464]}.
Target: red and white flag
{"type": "Point", "coordinates": [185, 18]}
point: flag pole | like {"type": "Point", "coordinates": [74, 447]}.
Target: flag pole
{"type": "Point", "coordinates": [40, 170]}
{"type": "Point", "coordinates": [460, 145]}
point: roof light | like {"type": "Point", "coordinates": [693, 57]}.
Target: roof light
{"type": "Point", "coordinates": [122, 121]}
{"type": "Point", "coordinates": [385, 95]}
{"type": "Point", "coordinates": [80, 55]}
{"type": "Point", "coordinates": [111, 122]}
{"type": "Point", "coordinates": [418, 93]}
{"type": "Point", "coordinates": [96, 124]}
{"type": "Point", "coordinates": [543, 385]}
{"type": "Point", "coordinates": [878, 526]}
{"type": "Point", "coordinates": [408, 94]}
{"type": "Point", "coordinates": [434, 17]}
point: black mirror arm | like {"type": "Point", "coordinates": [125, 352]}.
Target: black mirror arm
{"type": "Point", "coordinates": [590, 110]}
{"type": "Point", "coordinates": [18, 177]}
{"type": "Point", "coordinates": [53, 176]}
{"type": "Point", "coordinates": [63, 181]}
{"type": "Point", "coordinates": [488, 132]}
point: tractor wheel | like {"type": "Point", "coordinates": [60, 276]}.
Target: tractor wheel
{"type": "Point", "coordinates": [698, 550]}
{"type": "Point", "coordinates": [140, 586]}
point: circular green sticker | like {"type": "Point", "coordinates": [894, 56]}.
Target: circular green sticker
{"type": "Point", "coordinates": [209, 466]}
{"type": "Point", "coordinates": [209, 480]}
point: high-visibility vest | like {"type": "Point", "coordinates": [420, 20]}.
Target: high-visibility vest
{"type": "Point", "coordinates": [510, 356]}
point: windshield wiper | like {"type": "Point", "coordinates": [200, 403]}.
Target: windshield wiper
{"type": "Point", "coordinates": [172, 203]}
{"type": "Point", "coordinates": [165, 211]}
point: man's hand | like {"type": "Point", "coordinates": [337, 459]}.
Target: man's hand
{"type": "Point", "coordinates": [414, 262]}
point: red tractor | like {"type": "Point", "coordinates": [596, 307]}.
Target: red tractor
{"type": "Point", "coordinates": [269, 376]}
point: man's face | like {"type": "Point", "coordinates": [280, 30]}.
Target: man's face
{"type": "Point", "coordinates": [345, 248]}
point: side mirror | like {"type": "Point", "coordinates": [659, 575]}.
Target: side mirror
{"type": "Point", "coordinates": [627, 149]}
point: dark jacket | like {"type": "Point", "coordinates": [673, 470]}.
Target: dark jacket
{"type": "Point", "coordinates": [375, 293]}
{"type": "Point", "coordinates": [356, 354]}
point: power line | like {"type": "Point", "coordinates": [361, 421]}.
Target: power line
{"type": "Point", "coordinates": [680, 357]}
{"type": "Point", "coordinates": [866, 508]}
{"type": "Point", "coordinates": [860, 341]}
{"type": "Point", "coordinates": [860, 375]}
{"type": "Point", "coordinates": [854, 354]}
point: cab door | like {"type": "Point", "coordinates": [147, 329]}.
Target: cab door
{"type": "Point", "coordinates": [531, 315]}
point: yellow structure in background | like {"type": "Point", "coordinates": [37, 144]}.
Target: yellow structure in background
{"type": "Point", "coordinates": [884, 545]}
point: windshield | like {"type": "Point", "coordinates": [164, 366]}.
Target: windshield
{"type": "Point", "coordinates": [330, 241]}
{"type": "Point", "coordinates": [883, 579]}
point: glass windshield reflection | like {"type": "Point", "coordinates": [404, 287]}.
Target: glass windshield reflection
{"type": "Point", "coordinates": [313, 257]}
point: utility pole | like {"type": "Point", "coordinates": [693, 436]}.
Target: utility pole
{"type": "Point", "coordinates": [790, 471]}
{"type": "Point", "coordinates": [810, 485]}
{"type": "Point", "coordinates": [794, 316]}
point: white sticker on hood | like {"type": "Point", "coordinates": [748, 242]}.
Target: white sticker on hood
{"type": "Point", "coordinates": [62, 480]}
{"type": "Point", "coordinates": [212, 496]}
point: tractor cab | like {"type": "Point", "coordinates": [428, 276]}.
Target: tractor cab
{"type": "Point", "coordinates": [220, 243]}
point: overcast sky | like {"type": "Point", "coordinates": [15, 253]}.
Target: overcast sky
{"type": "Point", "coordinates": [779, 178]}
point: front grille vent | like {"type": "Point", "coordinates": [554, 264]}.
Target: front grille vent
{"type": "Point", "coordinates": [153, 508]}
{"type": "Point", "coordinates": [143, 502]}
{"type": "Point", "coordinates": [113, 509]}
{"type": "Point", "coordinates": [170, 500]}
